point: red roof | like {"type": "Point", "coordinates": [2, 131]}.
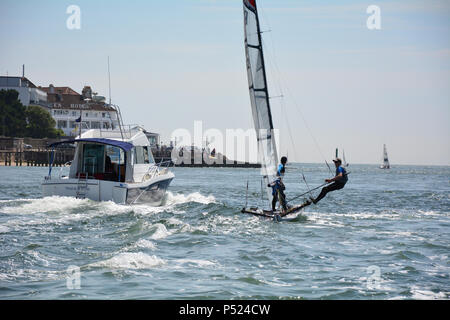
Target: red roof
{"type": "Point", "coordinates": [61, 90]}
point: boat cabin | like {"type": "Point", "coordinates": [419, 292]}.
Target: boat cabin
{"type": "Point", "coordinates": [109, 160]}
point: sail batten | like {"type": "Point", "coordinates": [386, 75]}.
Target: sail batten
{"type": "Point", "coordinates": [259, 95]}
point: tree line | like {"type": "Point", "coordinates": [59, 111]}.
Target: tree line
{"type": "Point", "coordinates": [17, 120]}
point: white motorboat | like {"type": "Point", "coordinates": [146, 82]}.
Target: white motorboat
{"type": "Point", "coordinates": [114, 166]}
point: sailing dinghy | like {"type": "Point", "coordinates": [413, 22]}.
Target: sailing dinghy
{"type": "Point", "coordinates": [262, 117]}
{"type": "Point", "coordinates": [385, 164]}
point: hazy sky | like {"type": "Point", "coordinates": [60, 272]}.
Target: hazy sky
{"type": "Point", "coordinates": [174, 62]}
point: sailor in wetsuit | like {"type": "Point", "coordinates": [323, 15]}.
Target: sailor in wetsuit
{"type": "Point", "coordinates": [339, 181]}
{"type": "Point", "coordinates": [278, 186]}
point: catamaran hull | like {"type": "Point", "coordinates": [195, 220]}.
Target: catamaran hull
{"type": "Point", "coordinates": [277, 215]}
{"type": "Point", "coordinates": [151, 192]}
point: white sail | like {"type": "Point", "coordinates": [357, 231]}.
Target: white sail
{"type": "Point", "coordinates": [259, 96]}
{"type": "Point", "coordinates": [385, 158]}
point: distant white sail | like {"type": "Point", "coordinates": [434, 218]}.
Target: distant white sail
{"type": "Point", "coordinates": [259, 95]}
{"type": "Point", "coordinates": [385, 164]}
{"type": "Point", "coordinates": [344, 163]}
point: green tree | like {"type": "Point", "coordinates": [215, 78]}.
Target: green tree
{"type": "Point", "coordinates": [40, 124]}
{"type": "Point", "coordinates": [16, 120]}
{"type": "Point", "coordinates": [12, 114]}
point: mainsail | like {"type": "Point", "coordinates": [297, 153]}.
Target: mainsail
{"type": "Point", "coordinates": [259, 95]}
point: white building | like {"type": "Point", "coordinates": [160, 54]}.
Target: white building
{"type": "Point", "coordinates": [28, 92]}
{"type": "Point", "coordinates": [91, 118]}
{"type": "Point", "coordinates": [67, 106]}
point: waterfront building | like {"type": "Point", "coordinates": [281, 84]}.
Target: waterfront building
{"type": "Point", "coordinates": [29, 94]}
{"type": "Point", "coordinates": [67, 106]}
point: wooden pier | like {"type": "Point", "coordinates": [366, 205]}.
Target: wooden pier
{"type": "Point", "coordinates": [35, 158]}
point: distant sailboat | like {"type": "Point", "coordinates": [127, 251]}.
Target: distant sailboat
{"type": "Point", "coordinates": [344, 163]}
{"type": "Point", "coordinates": [385, 164]}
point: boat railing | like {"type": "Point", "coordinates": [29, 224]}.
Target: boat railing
{"type": "Point", "coordinates": [125, 131]}
{"type": "Point", "coordinates": [68, 163]}
{"type": "Point", "coordinates": [157, 169]}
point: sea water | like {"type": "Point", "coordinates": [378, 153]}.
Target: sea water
{"type": "Point", "coordinates": [386, 235]}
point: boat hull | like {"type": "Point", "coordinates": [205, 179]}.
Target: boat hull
{"type": "Point", "coordinates": [277, 215]}
{"type": "Point", "coordinates": [150, 192]}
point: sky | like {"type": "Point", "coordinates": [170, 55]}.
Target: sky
{"type": "Point", "coordinates": [175, 62]}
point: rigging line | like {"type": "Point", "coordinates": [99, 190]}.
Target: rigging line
{"type": "Point", "coordinates": [301, 195]}
{"type": "Point", "coordinates": [281, 102]}
{"type": "Point", "coordinates": [283, 111]}
{"type": "Point", "coordinates": [277, 81]}
{"type": "Point", "coordinates": [324, 184]}
{"type": "Point", "coordinates": [297, 107]}
{"type": "Point", "coordinates": [304, 179]}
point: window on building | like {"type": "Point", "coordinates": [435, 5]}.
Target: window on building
{"type": "Point", "coordinates": [95, 125]}
{"type": "Point", "coordinates": [103, 114]}
{"type": "Point", "coordinates": [106, 125]}
{"type": "Point", "coordinates": [87, 114]}
{"type": "Point", "coordinates": [62, 124]}
{"type": "Point", "coordinates": [72, 124]}
{"type": "Point", "coordinates": [74, 113]}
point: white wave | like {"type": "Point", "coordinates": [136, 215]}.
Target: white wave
{"type": "Point", "coordinates": [174, 221]}
{"type": "Point", "coordinates": [161, 232]}
{"type": "Point", "coordinates": [45, 205]}
{"type": "Point", "coordinates": [196, 262]}
{"type": "Point", "coordinates": [146, 244]}
{"type": "Point", "coordinates": [130, 260]}
{"type": "Point", "coordinates": [323, 219]}
{"type": "Point", "coordinates": [423, 294]}
{"type": "Point", "coordinates": [275, 282]}
{"type": "Point", "coordinates": [432, 213]}
{"type": "Point", "coordinates": [4, 229]}
{"type": "Point", "coordinates": [442, 257]}
{"type": "Point", "coordinates": [173, 199]}
{"type": "Point", "coordinates": [18, 274]}
{"type": "Point", "coordinates": [57, 204]}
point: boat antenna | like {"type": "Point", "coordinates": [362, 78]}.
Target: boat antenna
{"type": "Point", "coordinates": [109, 82]}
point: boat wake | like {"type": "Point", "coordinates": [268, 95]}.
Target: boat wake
{"type": "Point", "coordinates": [56, 210]}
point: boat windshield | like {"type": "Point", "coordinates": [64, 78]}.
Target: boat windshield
{"type": "Point", "coordinates": [103, 162]}
{"type": "Point", "coordinates": [143, 155]}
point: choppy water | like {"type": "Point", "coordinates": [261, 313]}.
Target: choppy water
{"type": "Point", "coordinates": [385, 236]}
